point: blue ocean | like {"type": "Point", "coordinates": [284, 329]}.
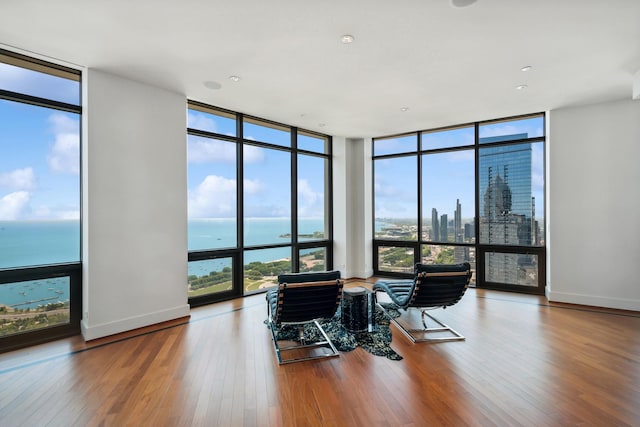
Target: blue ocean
{"type": "Point", "coordinates": [29, 243]}
{"type": "Point", "coordinates": [220, 233]}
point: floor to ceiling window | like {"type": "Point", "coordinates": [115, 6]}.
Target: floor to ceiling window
{"type": "Point", "coordinates": [39, 201]}
{"type": "Point", "coordinates": [259, 202]}
{"type": "Point", "coordinates": [471, 193]}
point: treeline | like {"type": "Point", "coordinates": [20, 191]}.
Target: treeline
{"type": "Point", "coordinates": [257, 270]}
{"type": "Point", "coordinates": [254, 270]}
{"type": "Point", "coordinates": [47, 307]}
{"type": "Point", "coordinates": [314, 235]}
{"type": "Point", "coordinates": [41, 320]}
{"type": "Point", "coordinates": [214, 278]}
{"type": "Point", "coordinates": [445, 256]}
{"type": "Point", "coordinates": [398, 256]}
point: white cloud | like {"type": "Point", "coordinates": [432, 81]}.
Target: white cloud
{"type": "Point", "coordinates": [64, 156]}
{"type": "Point", "coordinates": [384, 189]}
{"type": "Point", "coordinates": [253, 154]}
{"type": "Point", "coordinates": [19, 179]}
{"type": "Point", "coordinates": [253, 186]}
{"type": "Point", "coordinates": [69, 214]}
{"type": "Point", "coordinates": [46, 212]}
{"type": "Point", "coordinates": [461, 156]}
{"type": "Point", "coordinates": [14, 205]}
{"type": "Point", "coordinates": [310, 202]}
{"type": "Point", "coordinates": [393, 200]}
{"type": "Point", "coordinates": [266, 210]}
{"type": "Point", "coordinates": [17, 78]}
{"type": "Point", "coordinates": [537, 166]}
{"type": "Point", "coordinates": [203, 150]}
{"type": "Point", "coordinates": [201, 122]}
{"type": "Point", "coordinates": [62, 123]}
{"type": "Point", "coordinates": [499, 130]}
{"type": "Point", "coordinates": [215, 197]}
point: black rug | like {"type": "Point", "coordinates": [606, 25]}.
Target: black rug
{"type": "Point", "coordinates": [376, 342]}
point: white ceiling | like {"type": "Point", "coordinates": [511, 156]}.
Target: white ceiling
{"type": "Point", "coordinates": [448, 65]}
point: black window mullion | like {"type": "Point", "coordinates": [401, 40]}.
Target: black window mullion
{"type": "Point", "coordinates": [329, 209]}
{"type": "Point", "coordinates": [417, 254]}
{"type": "Point", "coordinates": [40, 102]}
{"type": "Point", "coordinates": [476, 220]}
{"type": "Point", "coordinates": [295, 252]}
{"type": "Point", "coordinates": [238, 277]}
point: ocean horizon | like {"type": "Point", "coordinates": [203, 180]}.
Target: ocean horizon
{"type": "Point", "coordinates": [31, 243]}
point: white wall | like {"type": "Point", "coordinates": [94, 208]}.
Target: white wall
{"type": "Point", "coordinates": [352, 207]}
{"type": "Point", "coordinates": [359, 202]}
{"type": "Point", "coordinates": [340, 206]}
{"type": "Point", "coordinates": [593, 196]}
{"type": "Point", "coordinates": [134, 205]}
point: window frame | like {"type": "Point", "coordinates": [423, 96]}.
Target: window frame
{"type": "Point", "coordinates": [296, 244]}
{"type": "Point", "coordinates": [480, 250]}
{"type": "Point", "coordinates": [73, 270]}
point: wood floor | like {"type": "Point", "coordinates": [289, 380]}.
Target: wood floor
{"type": "Point", "coordinates": [524, 363]}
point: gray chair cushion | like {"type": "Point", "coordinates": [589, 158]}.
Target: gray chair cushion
{"type": "Point", "coordinates": [398, 290]}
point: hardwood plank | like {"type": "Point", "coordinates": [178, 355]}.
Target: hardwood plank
{"type": "Point", "coordinates": [524, 363]}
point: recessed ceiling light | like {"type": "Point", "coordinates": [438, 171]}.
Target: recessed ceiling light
{"type": "Point", "coordinates": [212, 85]}
{"type": "Point", "coordinates": [521, 87]}
{"type": "Point", "coordinates": [403, 109]}
{"type": "Point", "coordinates": [234, 78]}
{"type": "Point", "coordinates": [526, 68]}
{"type": "Point", "coordinates": [347, 38]}
{"type": "Point", "coordinates": [462, 3]}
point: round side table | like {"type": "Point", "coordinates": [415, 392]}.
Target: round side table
{"type": "Point", "coordinates": [358, 309]}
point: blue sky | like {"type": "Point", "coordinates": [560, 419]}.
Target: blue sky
{"type": "Point", "coordinates": [39, 163]}
{"type": "Point", "coordinates": [21, 80]}
{"type": "Point", "coordinates": [39, 149]}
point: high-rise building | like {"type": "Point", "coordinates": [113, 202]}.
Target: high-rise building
{"type": "Point", "coordinates": [457, 224]}
{"type": "Point", "coordinates": [444, 232]}
{"type": "Point", "coordinates": [505, 181]}
{"type": "Point", "coordinates": [469, 231]}
{"type": "Point", "coordinates": [435, 225]}
{"type": "Point", "coordinates": [460, 253]}
{"type": "Point", "coordinates": [506, 209]}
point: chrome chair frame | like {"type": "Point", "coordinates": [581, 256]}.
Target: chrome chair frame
{"type": "Point", "coordinates": [282, 316]}
{"type": "Point", "coordinates": [410, 295]}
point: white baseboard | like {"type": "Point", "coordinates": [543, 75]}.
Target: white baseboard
{"type": "Point", "coordinates": [594, 300]}
{"type": "Point", "coordinates": [122, 325]}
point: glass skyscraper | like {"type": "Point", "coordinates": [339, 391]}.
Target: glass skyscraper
{"type": "Point", "coordinates": [507, 210]}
